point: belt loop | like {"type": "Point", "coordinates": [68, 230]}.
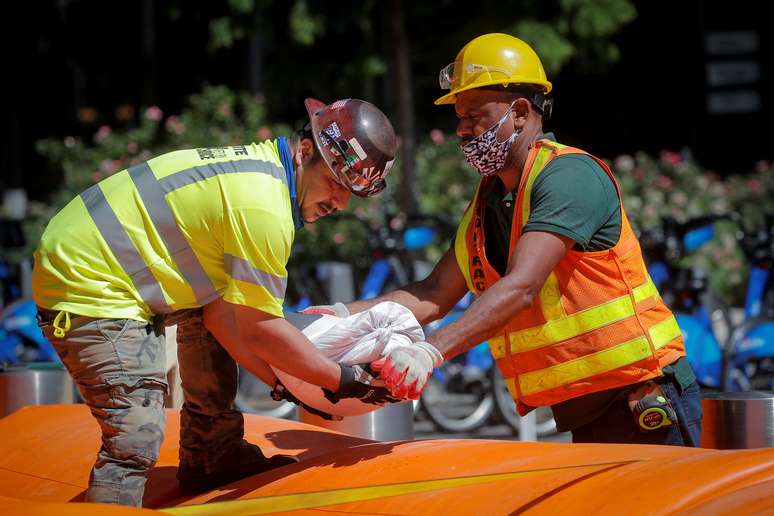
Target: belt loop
{"type": "Point", "coordinates": [60, 331]}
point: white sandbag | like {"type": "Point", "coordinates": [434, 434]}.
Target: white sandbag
{"type": "Point", "coordinates": [358, 339]}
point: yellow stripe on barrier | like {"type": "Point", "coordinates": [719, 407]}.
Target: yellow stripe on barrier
{"type": "Point", "coordinates": [310, 500]}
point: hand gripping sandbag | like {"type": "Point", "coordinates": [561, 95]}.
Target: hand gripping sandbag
{"type": "Point", "coordinates": [358, 339]}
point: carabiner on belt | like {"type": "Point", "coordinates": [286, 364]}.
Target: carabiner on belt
{"type": "Point", "coordinates": [61, 331]}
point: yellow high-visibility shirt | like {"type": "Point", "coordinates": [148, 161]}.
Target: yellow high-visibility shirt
{"type": "Point", "coordinates": [175, 232]}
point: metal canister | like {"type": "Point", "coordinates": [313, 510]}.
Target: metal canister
{"type": "Point", "coordinates": [394, 422]}
{"type": "Point", "coordinates": [736, 420]}
{"type": "Point", "coordinates": [22, 386]}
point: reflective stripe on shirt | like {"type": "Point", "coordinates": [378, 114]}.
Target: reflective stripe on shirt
{"type": "Point", "coordinates": [202, 172]}
{"type": "Point", "coordinates": [240, 269]}
{"type": "Point", "coordinates": [124, 250]}
{"type": "Point", "coordinates": [152, 191]}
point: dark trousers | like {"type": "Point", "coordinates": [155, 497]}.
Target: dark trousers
{"type": "Point", "coordinates": [616, 424]}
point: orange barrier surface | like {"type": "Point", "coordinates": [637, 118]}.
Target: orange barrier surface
{"type": "Point", "coordinates": [46, 454]}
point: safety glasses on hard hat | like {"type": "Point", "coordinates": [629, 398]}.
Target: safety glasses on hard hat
{"type": "Point", "coordinates": [350, 174]}
{"type": "Point", "coordinates": [446, 75]}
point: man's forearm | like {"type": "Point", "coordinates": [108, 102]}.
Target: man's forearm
{"type": "Point", "coordinates": [293, 353]}
{"type": "Point", "coordinates": [259, 368]}
{"type": "Point", "coordinates": [409, 296]}
{"type": "Point", "coordinates": [255, 340]}
{"type": "Point", "coordinates": [488, 314]}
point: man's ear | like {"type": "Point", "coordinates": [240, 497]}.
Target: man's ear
{"type": "Point", "coordinates": [306, 149]}
{"type": "Point", "coordinates": [521, 110]}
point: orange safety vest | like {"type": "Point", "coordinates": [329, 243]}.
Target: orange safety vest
{"type": "Point", "coordinates": [599, 322]}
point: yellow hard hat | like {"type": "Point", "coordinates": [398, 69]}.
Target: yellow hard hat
{"type": "Point", "coordinates": [490, 60]}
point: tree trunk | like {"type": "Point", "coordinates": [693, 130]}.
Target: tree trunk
{"type": "Point", "coordinates": [149, 93]}
{"type": "Point", "coordinates": [406, 129]}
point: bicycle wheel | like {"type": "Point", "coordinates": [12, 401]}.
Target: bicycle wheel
{"type": "Point", "coordinates": [458, 398]}
{"type": "Point", "coordinates": [253, 396]}
{"type": "Point", "coordinates": [506, 409]}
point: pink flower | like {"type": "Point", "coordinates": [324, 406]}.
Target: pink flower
{"type": "Point", "coordinates": [397, 222]}
{"type": "Point", "coordinates": [437, 137]}
{"type": "Point", "coordinates": [670, 158]}
{"type": "Point", "coordinates": [762, 166]}
{"type": "Point", "coordinates": [264, 133]}
{"type": "Point", "coordinates": [102, 133]}
{"type": "Point", "coordinates": [97, 176]}
{"type": "Point", "coordinates": [154, 113]}
{"type": "Point", "coordinates": [664, 182]}
{"type": "Point", "coordinates": [224, 109]}
{"type": "Point", "coordinates": [755, 186]}
{"type": "Point", "coordinates": [339, 238]}
{"type": "Point", "coordinates": [175, 125]}
{"type": "Point", "coordinates": [69, 142]}
{"type": "Point", "coordinates": [624, 163]}
{"type": "Point", "coordinates": [131, 147]}
{"type": "Point", "coordinates": [638, 174]}
{"type": "Point", "coordinates": [110, 166]}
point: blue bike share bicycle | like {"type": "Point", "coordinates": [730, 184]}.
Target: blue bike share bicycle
{"type": "Point", "coordinates": [723, 357]}
{"type": "Point", "coordinates": [749, 357]}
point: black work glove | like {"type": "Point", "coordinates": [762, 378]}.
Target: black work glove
{"type": "Point", "coordinates": [358, 381]}
{"type": "Point", "coordinates": [280, 392]}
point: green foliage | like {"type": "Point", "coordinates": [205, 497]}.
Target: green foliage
{"type": "Point", "coordinates": [653, 187]}
{"type": "Point", "coordinates": [581, 28]}
{"type": "Point", "coordinates": [554, 48]}
{"type": "Point", "coordinates": [215, 117]}
{"type": "Point", "coordinates": [224, 33]}
{"type": "Point", "coordinates": [305, 27]}
{"type": "Point", "coordinates": [674, 185]}
{"type": "Point", "coordinates": [593, 18]}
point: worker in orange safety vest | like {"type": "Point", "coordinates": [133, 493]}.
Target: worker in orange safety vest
{"type": "Point", "coordinates": [565, 301]}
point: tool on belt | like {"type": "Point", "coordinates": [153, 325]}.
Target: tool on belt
{"type": "Point", "coordinates": [651, 407]}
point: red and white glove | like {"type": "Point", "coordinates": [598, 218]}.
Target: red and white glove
{"type": "Point", "coordinates": [406, 369]}
{"type": "Point", "coordinates": [337, 309]}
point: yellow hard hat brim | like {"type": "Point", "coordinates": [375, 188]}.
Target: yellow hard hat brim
{"type": "Point", "coordinates": [451, 97]}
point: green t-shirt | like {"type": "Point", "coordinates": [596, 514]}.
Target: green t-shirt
{"type": "Point", "coordinates": [572, 197]}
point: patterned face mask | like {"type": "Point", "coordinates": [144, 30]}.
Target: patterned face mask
{"type": "Point", "coordinates": [485, 153]}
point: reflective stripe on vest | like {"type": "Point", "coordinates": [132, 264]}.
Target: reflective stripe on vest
{"type": "Point", "coordinates": [569, 326]}
{"type": "Point", "coordinates": [600, 362]}
{"type": "Point", "coordinates": [153, 192]}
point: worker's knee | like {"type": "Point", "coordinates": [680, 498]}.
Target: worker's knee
{"type": "Point", "coordinates": [132, 423]}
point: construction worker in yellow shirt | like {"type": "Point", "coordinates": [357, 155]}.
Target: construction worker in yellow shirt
{"type": "Point", "coordinates": [157, 242]}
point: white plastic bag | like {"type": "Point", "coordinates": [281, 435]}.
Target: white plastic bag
{"type": "Point", "coordinates": [364, 337]}
{"type": "Point", "coordinates": [358, 339]}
